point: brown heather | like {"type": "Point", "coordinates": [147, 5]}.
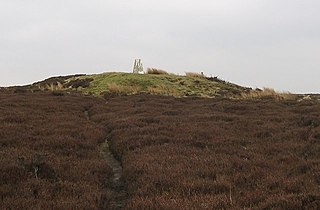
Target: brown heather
{"type": "Point", "coordinates": [48, 153]}
{"type": "Point", "coordinates": [197, 153]}
{"type": "Point", "coordinates": [187, 153]}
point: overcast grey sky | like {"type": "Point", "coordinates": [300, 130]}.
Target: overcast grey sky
{"type": "Point", "coordinates": [257, 43]}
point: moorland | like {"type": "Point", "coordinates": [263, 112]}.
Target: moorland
{"type": "Point", "coordinates": [206, 144]}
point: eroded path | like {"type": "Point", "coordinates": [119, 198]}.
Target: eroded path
{"type": "Point", "coordinates": [117, 184]}
{"type": "Point", "coordinates": [119, 194]}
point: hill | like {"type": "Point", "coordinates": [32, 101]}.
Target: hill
{"type": "Point", "coordinates": [137, 147]}
{"type": "Point", "coordinates": [116, 83]}
{"type": "Point", "coordinates": [155, 83]}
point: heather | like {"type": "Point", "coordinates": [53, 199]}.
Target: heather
{"type": "Point", "coordinates": [48, 156]}
{"type": "Point", "coordinates": [195, 153]}
{"type": "Point", "coordinates": [175, 153]}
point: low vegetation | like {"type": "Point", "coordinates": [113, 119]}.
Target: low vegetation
{"type": "Point", "coordinates": [117, 89]}
{"type": "Point", "coordinates": [194, 74]}
{"type": "Point", "coordinates": [156, 71]}
{"type": "Point", "coordinates": [48, 153]}
{"type": "Point", "coordinates": [197, 153]}
{"type": "Point", "coordinates": [214, 152]}
{"type": "Point", "coordinates": [156, 81]}
{"type": "Point", "coordinates": [269, 93]}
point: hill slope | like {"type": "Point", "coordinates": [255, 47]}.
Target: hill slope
{"type": "Point", "coordinates": [128, 83]}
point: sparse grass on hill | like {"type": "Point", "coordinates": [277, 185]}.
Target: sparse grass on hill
{"type": "Point", "coordinates": [269, 93]}
{"type": "Point", "coordinates": [157, 82]}
{"type": "Point", "coordinates": [194, 74]}
{"type": "Point", "coordinates": [156, 71]}
{"type": "Point", "coordinates": [123, 89]}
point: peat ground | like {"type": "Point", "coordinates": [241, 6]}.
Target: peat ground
{"type": "Point", "coordinates": [187, 153]}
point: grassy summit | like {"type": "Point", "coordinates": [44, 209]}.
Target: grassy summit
{"type": "Point", "coordinates": [158, 84]}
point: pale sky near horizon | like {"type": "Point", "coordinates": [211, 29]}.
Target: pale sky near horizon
{"type": "Point", "coordinates": [255, 43]}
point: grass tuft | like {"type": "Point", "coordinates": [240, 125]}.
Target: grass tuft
{"type": "Point", "coordinates": [163, 90]}
{"type": "Point", "coordinates": [194, 74]}
{"type": "Point", "coordinates": [123, 89]}
{"type": "Point", "coordinates": [268, 93]}
{"type": "Point", "coordinates": [156, 71]}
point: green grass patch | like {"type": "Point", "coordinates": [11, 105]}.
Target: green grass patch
{"type": "Point", "coordinates": [160, 84]}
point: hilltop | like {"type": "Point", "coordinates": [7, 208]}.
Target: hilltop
{"type": "Point", "coordinates": [117, 83]}
{"type": "Point", "coordinates": [158, 82]}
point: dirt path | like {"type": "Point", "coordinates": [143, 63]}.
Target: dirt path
{"type": "Point", "coordinates": [119, 193]}
{"type": "Point", "coordinates": [117, 184]}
